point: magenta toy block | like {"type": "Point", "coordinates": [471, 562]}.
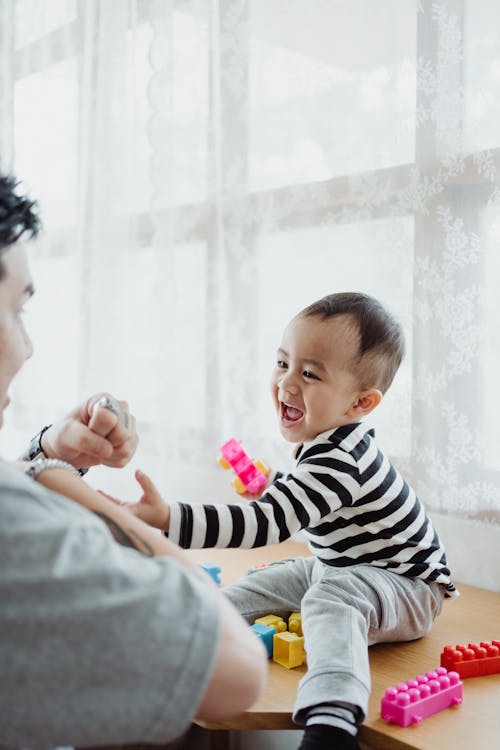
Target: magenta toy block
{"type": "Point", "coordinates": [473, 660]}
{"type": "Point", "coordinates": [414, 700]}
{"type": "Point", "coordinates": [252, 475]}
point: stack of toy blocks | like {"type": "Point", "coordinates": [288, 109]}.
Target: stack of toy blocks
{"type": "Point", "coordinates": [473, 660]}
{"type": "Point", "coordinates": [251, 476]}
{"type": "Point", "coordinates": [414, 700]}
{"type": "Point", "coordinates": [286, 647]}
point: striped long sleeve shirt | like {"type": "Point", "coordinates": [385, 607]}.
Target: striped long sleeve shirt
{"type": "Point", "coordinates": [351, 503]}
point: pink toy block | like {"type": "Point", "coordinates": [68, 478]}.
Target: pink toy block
{"type": "Point", "coordinates": [473, 660]}
{"type": "Point", "coordinates": [414, 700]}
{"type": "Point", "coordinates": [252, 475]}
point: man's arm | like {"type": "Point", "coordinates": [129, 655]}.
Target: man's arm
{"type": "Point", "coordinates": [240, 663]}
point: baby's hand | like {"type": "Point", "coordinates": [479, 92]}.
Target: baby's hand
{"type": "Point", "coordinates": [257, 495]}
{"type": "Point", "coordinates": [252, 495]}
{"type": "Point", "coordinates": [151, 508]}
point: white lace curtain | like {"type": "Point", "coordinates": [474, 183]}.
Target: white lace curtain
{"type": "Point", "coordinates": [207, 168]}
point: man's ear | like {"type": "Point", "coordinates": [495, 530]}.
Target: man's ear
{"type": "Point", "coordinates": [365, 403]}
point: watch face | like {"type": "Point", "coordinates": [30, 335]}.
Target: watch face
{"type": "Point", "coordinates": [35, 448]}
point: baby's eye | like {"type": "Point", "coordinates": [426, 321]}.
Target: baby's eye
{"type": "Point", "coordinates": [281, 364]}
{"type": "Point", "coordinates": [310, 375]}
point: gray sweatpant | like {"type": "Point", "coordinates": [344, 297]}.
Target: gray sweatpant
{"type": "Point", "coordinates": [344, 610]}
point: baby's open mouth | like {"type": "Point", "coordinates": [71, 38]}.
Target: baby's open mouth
{"type": "Point", "coordinates": [290, 413]}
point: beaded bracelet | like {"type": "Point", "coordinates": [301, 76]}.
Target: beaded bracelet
{"type": "Point", "coordinates": [42, 464]}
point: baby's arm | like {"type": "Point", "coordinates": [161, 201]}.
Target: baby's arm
{"type": "Point", "coordinates": [289, 504]}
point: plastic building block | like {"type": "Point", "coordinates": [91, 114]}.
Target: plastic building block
{"type": "Point", "coordinates": [414, 700]}
{"type": "Point", "coordinates": [473, 660]}
{"type": "Point", "coordinates": [288, 650]}
{"type": "Point", "coordinates": [258, 566]}
{"type": "Point", "coordinates": [266, 634]}
{"type": "Point", "coordinates": [251, 476]}
{"type": "Point", "coordinates": [295, 623]}
{"type": "Point", "coordinates": [212, 570]}
{"type": "Point", "coordinates": [272, 621]}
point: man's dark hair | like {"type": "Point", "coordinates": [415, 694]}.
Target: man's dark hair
{"type": "Point", "coordinates": [381, 340]}
{"type": "Point", "coordinates": [18, 216]}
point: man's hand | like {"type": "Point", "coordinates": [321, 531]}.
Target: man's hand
{"type": "Point", "coordinates": [92, 434]}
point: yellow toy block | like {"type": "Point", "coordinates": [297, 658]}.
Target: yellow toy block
{"type": "Point", "coordinates": [272, 621]}
{"type": "Point", "coordinates": [288, 650]}
{"type": "Point", "coordinates": [238, 485]}
{"type": "Point", "coordinates": [222, 462]}
{"type": "Point", "coordinates": [261, 466]}
{"type": "Point", "coordinates": [295, 623]}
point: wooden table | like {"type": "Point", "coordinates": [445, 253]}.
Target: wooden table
{"type": "Point", "coordinates": [473, 617]}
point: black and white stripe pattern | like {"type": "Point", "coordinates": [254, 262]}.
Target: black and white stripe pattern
{"type": "Point", "coordinates": [351, 502]}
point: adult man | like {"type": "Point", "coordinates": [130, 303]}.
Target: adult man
{"type": "Point", "coordinates": [100, 642]}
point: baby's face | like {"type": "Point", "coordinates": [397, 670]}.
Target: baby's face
{"type": "Point", "coordinates": [312, 386]}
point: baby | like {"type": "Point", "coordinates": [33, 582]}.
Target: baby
{"type": "Point", "coordinates": [378, 571]}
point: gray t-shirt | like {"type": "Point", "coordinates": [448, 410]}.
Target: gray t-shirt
{"type": "Point", "coordinates": [98, 644]}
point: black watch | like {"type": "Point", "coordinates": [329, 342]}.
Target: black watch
{"type": "Point", "coordinates": [35, 449]}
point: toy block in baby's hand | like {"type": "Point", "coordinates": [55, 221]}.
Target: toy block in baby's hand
{"type": "Point", "coordinates": [414, 700]}
{"type": "Point", "coordinates": [473, 660]}
{"type": "Point", "coordinates": [251, 476]}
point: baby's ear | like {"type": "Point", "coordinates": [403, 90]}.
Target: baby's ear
{"type": "Point", "coordinates": [365, 403]}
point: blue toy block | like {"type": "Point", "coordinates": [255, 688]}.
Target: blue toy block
{"type": "Point", "coordinates": [266, 635]}
{"type": "Point", "coordinates": [212, 570]}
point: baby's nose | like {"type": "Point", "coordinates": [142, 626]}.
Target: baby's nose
{"type": "Point", "coordinates": [287, 385]}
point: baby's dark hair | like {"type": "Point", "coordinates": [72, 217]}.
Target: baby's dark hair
{"type": "Point", "coordinates": [381, 338]}
{"type": "Point", "coordinates": [18, 215]}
